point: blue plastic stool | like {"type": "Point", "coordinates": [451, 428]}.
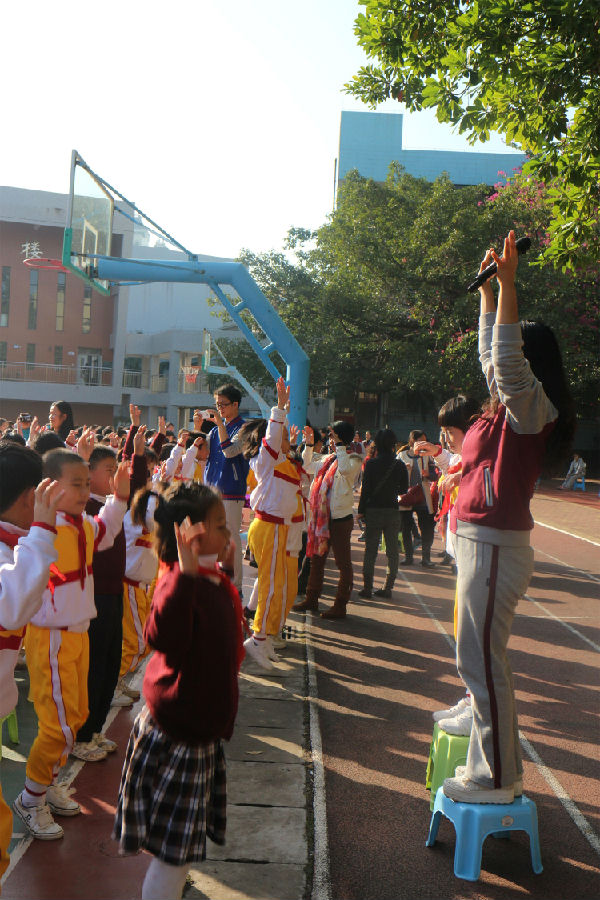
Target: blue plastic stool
{"type": "Point", "coordinates": [13, 728]}
{"type": "Point", "coordinates": [579, 483]}
{"type": "Point", "coordinates": [473, 822]}
{"type": "Point", "coordinates": [446, 752]}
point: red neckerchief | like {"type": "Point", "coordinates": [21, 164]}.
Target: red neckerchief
{"type": "Point", "coordinates": [77, 522]}
{"type": "Point", "coordinates": [9, 537]}
{"type": "Point", "coordinates": [447, 501]}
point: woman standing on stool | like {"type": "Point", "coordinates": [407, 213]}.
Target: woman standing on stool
{"type": "Point", "coordinates": [528, 421]}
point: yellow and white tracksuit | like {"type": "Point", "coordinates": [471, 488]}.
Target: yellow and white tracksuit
{"type": "Point", "coordinates": [57, 641]}
{"type": "Point", "coordinates": [140, 571]}
{"type": "Point", "coordinates": [24, 570]}
{"type": "Point", "coordinates": [274, 501]}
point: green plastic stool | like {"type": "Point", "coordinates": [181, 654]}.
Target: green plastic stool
{"type": "Point", "coordinates": [13, 728]}
{"type": "Point", "coordinates": [446, 752]}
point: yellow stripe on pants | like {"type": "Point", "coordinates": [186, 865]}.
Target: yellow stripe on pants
{"type": "Point", "coordinates": [292, 583]}
{"type": "Point", "coordinates": [6, 826]}
{"type": "Point", "coordinates": [267, 541]}
{"type": "Point", "coordinates": [136, 606]}
{"type": "Point", "coordinates": [58, 663]}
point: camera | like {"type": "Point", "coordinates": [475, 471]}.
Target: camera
{"type": "Point", "coordinates": [25, 417]}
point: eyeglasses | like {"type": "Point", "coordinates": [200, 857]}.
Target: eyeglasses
{"type": "Point", "coordinates": [222, 405]}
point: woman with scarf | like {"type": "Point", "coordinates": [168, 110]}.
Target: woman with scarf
{"type": "Point", "coordinates": [332, 519]}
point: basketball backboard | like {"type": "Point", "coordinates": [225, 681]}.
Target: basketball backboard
{"type": "Point", "coordinates": [88, 231]}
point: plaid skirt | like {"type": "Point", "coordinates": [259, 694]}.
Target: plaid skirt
{"type": "Point", "coordinates": [172, 795]}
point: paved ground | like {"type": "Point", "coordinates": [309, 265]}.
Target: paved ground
{"type": "Point", "coordinates": [374, 680]}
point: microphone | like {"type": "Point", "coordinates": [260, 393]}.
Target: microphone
{"type": "Point", "coordinates": [523, 245]}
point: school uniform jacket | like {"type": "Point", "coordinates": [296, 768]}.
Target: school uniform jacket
{"type": "Point", "coordinates": [141, 559]}
{"type": "Point", "coordinates": [275, 497]}
{"type": "Point", "coordinates": [24, 570]}
{"type": "Point", "coordinates": [68, 600]}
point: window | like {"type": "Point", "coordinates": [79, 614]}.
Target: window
{"type": "Point", "coordinates": [3, 350]}
{"type": "Point", "coordinates": [5, 302]}
{"type": "Point", "coordinates": [30, 355]}
{"type": "Point", "coordinates": [60, 301]}
{"type": "Point", "coordinates": [86, 324]}
{"type": "Point", "coordinates": [33, 298]}
{"type": "Point", "coordinates": [58, 356]}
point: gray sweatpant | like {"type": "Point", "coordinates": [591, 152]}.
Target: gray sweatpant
{"type": "Point", "coordinates": [491, 580]}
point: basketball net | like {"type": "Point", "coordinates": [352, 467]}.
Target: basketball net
{"type": "Point", "coordinates": [191, 373]}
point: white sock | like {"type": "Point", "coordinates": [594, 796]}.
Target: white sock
{"type": "Point", "coordinates": [163, 881]}
{"type": "Point", "coordinates": [34, 794]}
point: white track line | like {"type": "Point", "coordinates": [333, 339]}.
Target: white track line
{"type": "Point", "coordinates": [569, 806]}
{"type": "Point", "coordinates": [569, 533]}
{"type": "Point", "coordinates": [567, 566]}
{"type": "Point", "coordinates": [563, 623]}
{"type": "Point", "coordinates": [321, 887]}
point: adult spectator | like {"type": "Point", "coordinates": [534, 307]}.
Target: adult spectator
{"type": "Point", "coordinates": [384, 478]}
{"type": "Point", "coordinates": [332, 519]}
{"type": "Point", "coordinates": [226, 468]}
{"type": "Point", "coordinates": [419, 467]}
{"type": "Point", "coordinates": [576, 470]}
{"type": "Point", "coordinates": [61, 419]}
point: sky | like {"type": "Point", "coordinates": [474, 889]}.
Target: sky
{"type": "Point", "coordinates": [218, 118]}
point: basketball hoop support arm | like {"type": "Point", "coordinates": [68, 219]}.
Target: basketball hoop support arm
{"type": "Point", "coordinates": [216, 274]}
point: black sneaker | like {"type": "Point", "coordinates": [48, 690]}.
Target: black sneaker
{"type": "Point", "coordinates": [407, 562]}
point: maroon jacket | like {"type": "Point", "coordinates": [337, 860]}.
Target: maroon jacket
{"type": "Point", "coordinates": [190, 684]}
{"type": "Point", "coordinates": [108, 565]}
{"type": "Point", "coordinates": [499, 471]}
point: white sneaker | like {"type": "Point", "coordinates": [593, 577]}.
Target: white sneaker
{"type": "Point", "coordinates": [452, 711]}
{"type": "Point", "coordinates": [257, 652]}
{"type": "Point", "coordinates": [464, 791]}
{"type": "Point", "coordinates": [121, 699]}
{"type": "Point", "coordinates": [100, 740]}
{"type": "Point", "coordinates": [128, 691]}
{"type": "Point", "coordinates": [59, 800]}
{"type": "Point", "coordinates": [279, 642]}
{"type": "Point", "coordinates": [459, 724]}
{"type": "Point", "coordinates": [270, 648]}
{"type": "Point", "coordinates": [38, 820]}
{"type": "Point", "coordinates": [461, 771]}
{"type": "Point", "coordinates": [89, 752]}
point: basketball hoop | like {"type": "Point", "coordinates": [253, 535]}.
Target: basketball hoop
{"type": "Point", "coordinates": [191, 373]}
{"type": "Point", "coordinates": [36, 262]}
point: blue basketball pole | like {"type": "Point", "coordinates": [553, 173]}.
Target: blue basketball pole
{"type": "Point", "coordinates": [216, 274]}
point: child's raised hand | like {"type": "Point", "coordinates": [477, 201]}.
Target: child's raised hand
{"type": "Point", "coordinates": [139, 441]}
{"type": "Point", "coordinates": [86, 442]}
{"type": "Point", "coordinates": [308, 435]}
{"type": "Point", "coordinates": [294, 432]}
{"type": "Point", "coordinates": [45, 503]}
{"type": "Point", "coordinates": [135, 414]}
{"type": "Point", "coordinates": [35, 429]}
{"type": "Point", "coordinates": [186, 549]}
{"type": "Point", "coordinates": [121, 484]}
{"type": "Point", "coordinates": [283, 393]}
{"type": "Point", "coordinates": [182, 437]}
{"type": "Point", "coordinates": [508, 262]}
{"type": "Point", "coordinates": [162, 425]}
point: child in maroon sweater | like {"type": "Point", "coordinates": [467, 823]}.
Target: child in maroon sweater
{"type": "Point", "coordinates": [172, 790]}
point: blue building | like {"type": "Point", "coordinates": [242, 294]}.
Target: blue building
{"type": "Point", "coordinates": [370, 141]}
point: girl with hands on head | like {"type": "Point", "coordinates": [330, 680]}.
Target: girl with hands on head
{"type": "Point", "coordinates": [191, 690]}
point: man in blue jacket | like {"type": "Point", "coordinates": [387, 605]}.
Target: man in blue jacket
{"type": "Point", "coordinates": [226, 468]}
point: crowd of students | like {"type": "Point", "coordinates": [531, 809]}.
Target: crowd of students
{"type": "Point", "coordinates": [114, 544]}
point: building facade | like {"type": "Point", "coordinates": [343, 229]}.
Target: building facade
{"type": "Point", "coordinates": [61, 340]}
{"type": "Point", "coordinates": [370, 141]}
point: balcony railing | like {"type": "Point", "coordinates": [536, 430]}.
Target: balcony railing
{"type": "Point", "coordinates": [40, 372]}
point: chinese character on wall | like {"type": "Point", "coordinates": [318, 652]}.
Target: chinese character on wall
{"type": "Point", "coordinates": [31, 250]}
